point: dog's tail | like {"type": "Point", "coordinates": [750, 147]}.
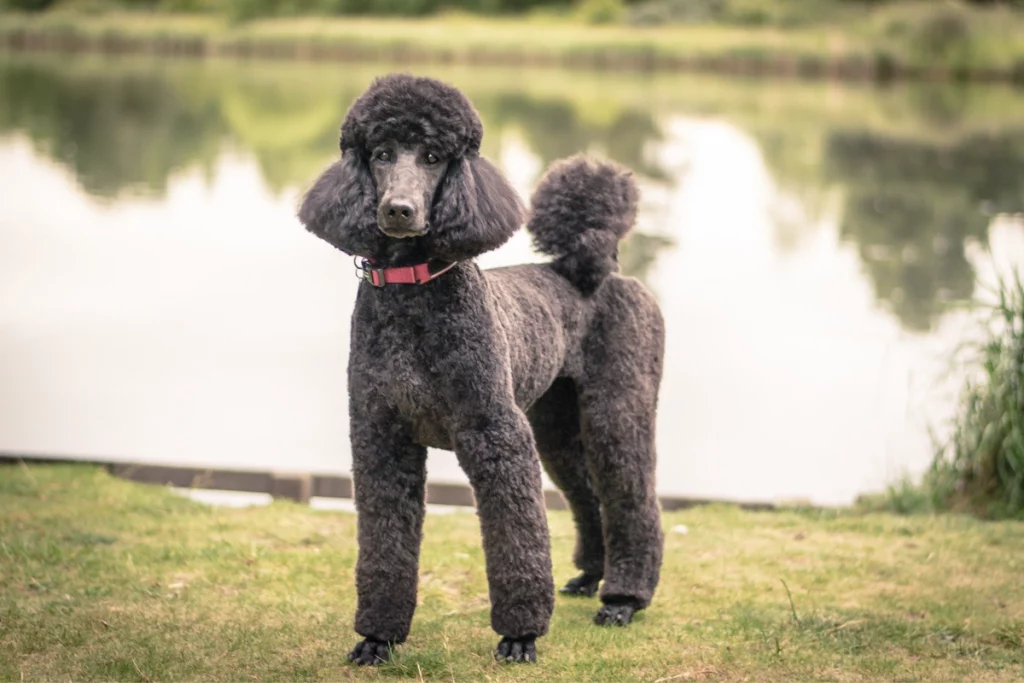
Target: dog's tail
{"type": "Point", "coordinates": [580, 210]}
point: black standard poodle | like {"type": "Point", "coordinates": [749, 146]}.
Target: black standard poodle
{"type": "Point", "coordinates": [560, 360]}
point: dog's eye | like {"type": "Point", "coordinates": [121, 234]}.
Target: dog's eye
{"type": "Point", "coordinates": [383, 155]}
{"type": "Point", "coordinates": [432, 158]}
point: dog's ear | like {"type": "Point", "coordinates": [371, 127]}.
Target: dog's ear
{"type": "Point", "coordinates": [341, 208]}
{"type": "Point", "coordinates": [475, 210]}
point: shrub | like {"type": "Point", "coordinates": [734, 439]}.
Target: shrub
{"type": "Point", "coordinates": [658, 12]}
{"type": "Point", "coordinates": [25, 5]}
{"type": "Point", "coordinates": [944, 38]}
{"type": "Point", "coordinates": [748, 13]}
{"type": "Point", "coordinates": [244, 10]}
{"type": "Point", "coordinates": [982, 465]}
{"type": "Point", "coordinates": [601, 11]}
{"type": "Point", "coordinates": [1018, 71]}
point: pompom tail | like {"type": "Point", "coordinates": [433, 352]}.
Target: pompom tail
{"type": "Point", "coordinates": [580, 210]}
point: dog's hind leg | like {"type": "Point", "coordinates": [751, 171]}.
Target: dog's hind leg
{"type": "Point", "coordinates": [618, 392]}
{"type": "Point", "coordinates": [556, 428]}
{"type": "Point", "coordinates": [618, 432]}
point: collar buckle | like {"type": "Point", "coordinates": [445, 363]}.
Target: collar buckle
{"type": "Point", "coordinates": [366, 271]}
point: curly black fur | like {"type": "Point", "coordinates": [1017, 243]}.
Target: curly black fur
{"type": "Point", "coordinates": [475, 209]}
{"type": "Point", "coordinates": [560, 361]}
{"type": "Point", "coordinates": [408, 109]}
{"type": "Point", "coordinates": [581, 209]}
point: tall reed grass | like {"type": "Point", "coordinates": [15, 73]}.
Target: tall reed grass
{"type": "Point", "coordinates": [981, 466]}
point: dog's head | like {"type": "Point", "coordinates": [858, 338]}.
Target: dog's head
{"type": "Point", "coordinates": [411, 178]}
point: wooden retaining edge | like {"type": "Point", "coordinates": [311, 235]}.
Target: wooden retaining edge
{"type": "Point", "coordinates": [301, 487]}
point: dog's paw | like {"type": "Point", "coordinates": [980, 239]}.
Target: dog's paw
{"type": "Point", "coordinates": [585, 585]}
{"type": "Point", "coordinates": [615, 615]}
{"type": "Point", "coordinates": [517, 650]}
{"type": "Point", "coordinates": [370, 652]}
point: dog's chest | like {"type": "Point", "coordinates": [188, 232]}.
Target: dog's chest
{"type": "Point", "coordinates": [437, 355]}
{"type": "Point", "coordinates": [407, 361]}
{"type": "Point", "coordinates": [416, 388]}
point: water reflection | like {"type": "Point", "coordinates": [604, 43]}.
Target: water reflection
{"type": "Point", "coordinates": [911, 206]}
{"type": "Point", "coordinates": [114, 130]}
{"type": "Point", "coordinates": [126, 129]}
{"type": "Point", "coordinates": [556, 128]}
{"type": "Point", "coordinates": [804, 241]}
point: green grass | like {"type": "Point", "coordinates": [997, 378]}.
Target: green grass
{"type": "Point", "coordinates": [893, 40]}
{"type": "Point", "coordinates": [981, 467]}
{"type": "Point", "coordinates": [105, 579]}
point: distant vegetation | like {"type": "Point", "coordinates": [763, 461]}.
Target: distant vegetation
{"type": "Point", "coordinates": [738, 12]}
{"type": "Point", "coordinates": [948, 40]}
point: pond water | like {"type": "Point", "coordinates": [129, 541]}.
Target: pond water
{"type": "Point", "coordinates": [809, 244]}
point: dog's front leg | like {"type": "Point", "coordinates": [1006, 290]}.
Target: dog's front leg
{"type": "Point", "coordinates": [498, 454]}
{"type": "Point", "coordinates": [389, 473]}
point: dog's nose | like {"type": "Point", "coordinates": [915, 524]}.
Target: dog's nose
{"type": "Point", "coordinates": [400, 213]}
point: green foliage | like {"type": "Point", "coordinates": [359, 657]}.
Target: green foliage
{"type": "Point", "coordinates": [659, 12]}
{"type": "Point", "coordinates": [783, 13]}
{"type": "Point", "coordinates": [237, 11]}
{"type": "Point", "coordinates": [905, 497]}
{"type": "Point", "coordinates": [945, 37]}
{"type": "Point", "coordinates": [830, 38]}
{"type": "Point", "coordinates": [1018, 71]}
{"type": "Point", "coordinates": [601, 11]}
{"type": "Point", "coordinates": [982, 465]}
{"type": "Point", "coordinates": [94, 8]}
{"type": "Point", "coordinates": [936, 30]}
{"type": "Point", "coordinates": [748, 12]}
{"type": "Point", "coordinates": [26, 5]}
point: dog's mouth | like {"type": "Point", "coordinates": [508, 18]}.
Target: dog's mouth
{"type": "Point", "coordinates": [401, 234]}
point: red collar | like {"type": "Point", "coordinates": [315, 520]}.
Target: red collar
{"type": "Point", "coordinates": [418, 274]}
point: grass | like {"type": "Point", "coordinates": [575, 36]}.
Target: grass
{"type": "Point", "coordinates": [888, 42]}
{"type": "Point", "coordinates": [106, 579]}
{"type": "Point", "coordinates": [981, 467]}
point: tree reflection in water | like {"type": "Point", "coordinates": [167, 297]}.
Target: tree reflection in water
{"type": "Point", "coordinates": [911, 198]}
{"type": "Point", "coordinates": [911, 207]}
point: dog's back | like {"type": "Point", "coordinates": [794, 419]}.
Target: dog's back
{"type": "Point", "coordinates": [549, 323]}
{"type": "Point", "coordinates": [550, 312]}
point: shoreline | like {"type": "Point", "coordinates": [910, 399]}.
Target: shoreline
{"type": "Point", "coordinates": [301, 487]}
{"type": "Point", "coordinates": [459, 40]}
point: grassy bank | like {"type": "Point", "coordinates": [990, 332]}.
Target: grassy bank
{"type": "Point", "coordinates": [981, 44]}
{"type": "Point", "coordinates": [979, 468]}
{"type": "Point", "coordinates": [104, 579]}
